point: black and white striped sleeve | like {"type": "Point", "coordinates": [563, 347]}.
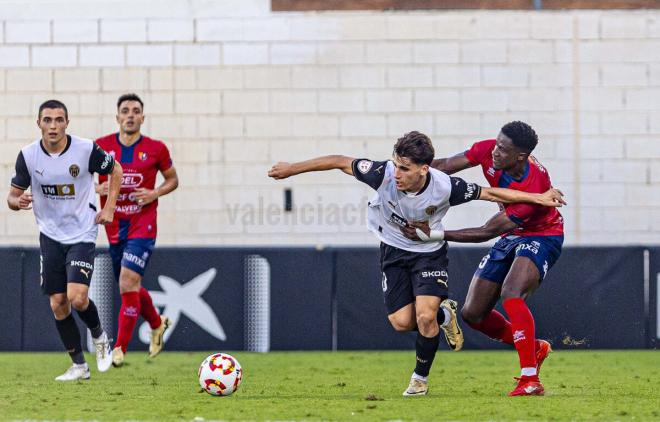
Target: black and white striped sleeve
{"type": "Point", "coordinates": [21, 178]}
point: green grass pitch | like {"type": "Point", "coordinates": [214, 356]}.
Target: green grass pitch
{"type": "Point", "coordinates": [341, 386]}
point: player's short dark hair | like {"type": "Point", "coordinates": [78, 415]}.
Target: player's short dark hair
{"type": "Point", "coordinates": [415, 146]}
{"type": "Point", "coordinates": [53, 104]}
{"type": "Point", "coordinates": [130, 97]}
{"type": "Point", "coordinates": [522, 135]}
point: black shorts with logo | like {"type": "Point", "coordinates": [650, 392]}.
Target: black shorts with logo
{"type": "Point", "coordinates": [410, 274]}
{"type": "Point", "coordinates": [62, 264]}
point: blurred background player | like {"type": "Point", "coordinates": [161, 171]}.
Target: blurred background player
{"type": "Point", "coordinates": [132, 235]}
{"type": "Point", "coordinates": [532, 238]}
{"type": "Point", "coordinates": [59, 168]}
{"type": "Point", "coordinates": [415, 278]}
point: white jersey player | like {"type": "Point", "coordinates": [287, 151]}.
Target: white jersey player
{"type": "Point", "coordinates": [59, 170]}
{"type": "Point", "coordinates": [415, 274]}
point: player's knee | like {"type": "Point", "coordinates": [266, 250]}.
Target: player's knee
{"type": "Point", "coordinates": [79, 301]}
{"type": "Point", "coordinates": [60, 308]}
{"type": "Point", "coordinates": [470, 316]}
{"type": "Point", "coordinates": [402, 324]}
{"type": "Point", "coordinates": [426, 320]}
{"type": "Point", "coordinates": [510, 293]}
{"type": "Point", "coordinates": [129, 283]}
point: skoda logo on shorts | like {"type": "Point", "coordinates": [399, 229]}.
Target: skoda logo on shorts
{"type": "Point", "coordinates": [74, 170]}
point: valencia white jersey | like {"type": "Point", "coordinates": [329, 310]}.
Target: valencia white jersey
{"type": "Point", "coordinates": [64, 200]}
{"type": "Point", "coordinates": [391, 209]}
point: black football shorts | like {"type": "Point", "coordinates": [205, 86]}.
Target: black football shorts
{"type": "Point", "coordinates": [62, 264]}
{"type": "Point", "coordinates": [407, 275]}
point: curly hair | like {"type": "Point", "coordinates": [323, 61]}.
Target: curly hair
{"type": "Point", "coordinates": [415, 146]}
{"type": "Point", "coordinates": [522, 135]}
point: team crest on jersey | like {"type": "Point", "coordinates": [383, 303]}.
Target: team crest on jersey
{"type": "Point", "coordinates": [74, 170]}
{"type": "Point", "coordinates": [491, 171]}
{"type": "Point", "coordinates": [142, 155]}
{"type": "Point", "coordinates": [431, 210]}
{"type": "Point", "coordinates": [364, 166]}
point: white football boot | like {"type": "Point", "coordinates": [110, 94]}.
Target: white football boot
{"type": "Point", "coordinates": [75, 372]}
{"type": "Point", "coordinates": [416, 387]}
{"type": "Point", "coordinates": [103, 352]}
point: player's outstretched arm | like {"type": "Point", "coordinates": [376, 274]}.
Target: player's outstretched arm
{"type": "Point", "coordinates": [550, 198]}
{"type": "Point", "coordinates": [282, 170]}
{"type": "Point", "coordinates": [497, 225]}
{"type": "Point", "coordinates": [19, 199]}
{"type": "Point", "coordinates": [451, 165]}
{"type": "Point", "coordinates": [106, 215]}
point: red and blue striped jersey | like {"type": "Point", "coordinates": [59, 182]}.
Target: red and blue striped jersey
{"type": "Point", "coordinates": [141, 163]}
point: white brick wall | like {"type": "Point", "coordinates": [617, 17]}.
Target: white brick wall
{"type": "Point", "coordinates": [123, 30]}
{"type": "Point", "coordinates": [170, 30]}
{"type": "Point", "coordinates": [232, 88]}
{"type": "Point", "coordinates": [197, 55]}
{"type": "Point", "coordinates": [102, 56]}
{"type": "Point", "coordinates": [244, 53]}
{"type": "Point", "coordinates": [75, 31]}
{"type": "Point", "coordinates": [27, 31]}
{"type": "Point", "coordinates": [53, 57]}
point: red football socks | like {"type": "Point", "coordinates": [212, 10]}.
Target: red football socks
{"type": "Point", "coordinates": [495, 326]}
{"type": "Point", "coordinates": [148, 310]}
{"type": "Point", "coordinates": [128, 316]}
{"type": "Point", "coordinates": [522, 326]}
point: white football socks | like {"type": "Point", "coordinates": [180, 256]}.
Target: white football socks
{"type": "Point", "coordinates": [447, 320]}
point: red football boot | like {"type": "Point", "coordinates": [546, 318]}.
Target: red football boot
{"type": "Point", "coordinates": [543, 349]}
{"type": "Point", "coordinates": [528, 386]}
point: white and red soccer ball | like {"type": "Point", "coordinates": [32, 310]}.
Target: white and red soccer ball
{"type": "Point", "coordinates": [220, 374]}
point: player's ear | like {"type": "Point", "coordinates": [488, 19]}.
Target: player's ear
{"type": "Point", "coordinates": [425, 169]}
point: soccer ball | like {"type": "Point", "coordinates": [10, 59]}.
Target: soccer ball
{"type": "Point", "coordinates": [220, 374]}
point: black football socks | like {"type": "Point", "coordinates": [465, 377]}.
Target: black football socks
{"type": "Point", "coordinates": [426, 348]}
{"type": "Point", "coordinates": [71, 338]}
{"type": "Point", "coordinates": [90, 317]}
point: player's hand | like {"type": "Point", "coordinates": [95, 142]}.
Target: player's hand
{"type": "Point", "coordinates": [105, 216]}
{"type": "Point", "coordinates": [280, 170]}
{"type": "Point", "coordinates": [144, 196]}
{"type": "Point", "coordinates": [410, 230]}
{"type": "Point", "coordinates": [102, 189]}
{"type": "Point", "coordinates": [552, 198]}
{"type": "Point", "coordinates": [25, 201]}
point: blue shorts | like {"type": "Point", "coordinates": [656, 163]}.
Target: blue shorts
{"type": "Point", "coordinates": [133, 254]}
{"type": "Point", "coordinates": [544, 251]}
